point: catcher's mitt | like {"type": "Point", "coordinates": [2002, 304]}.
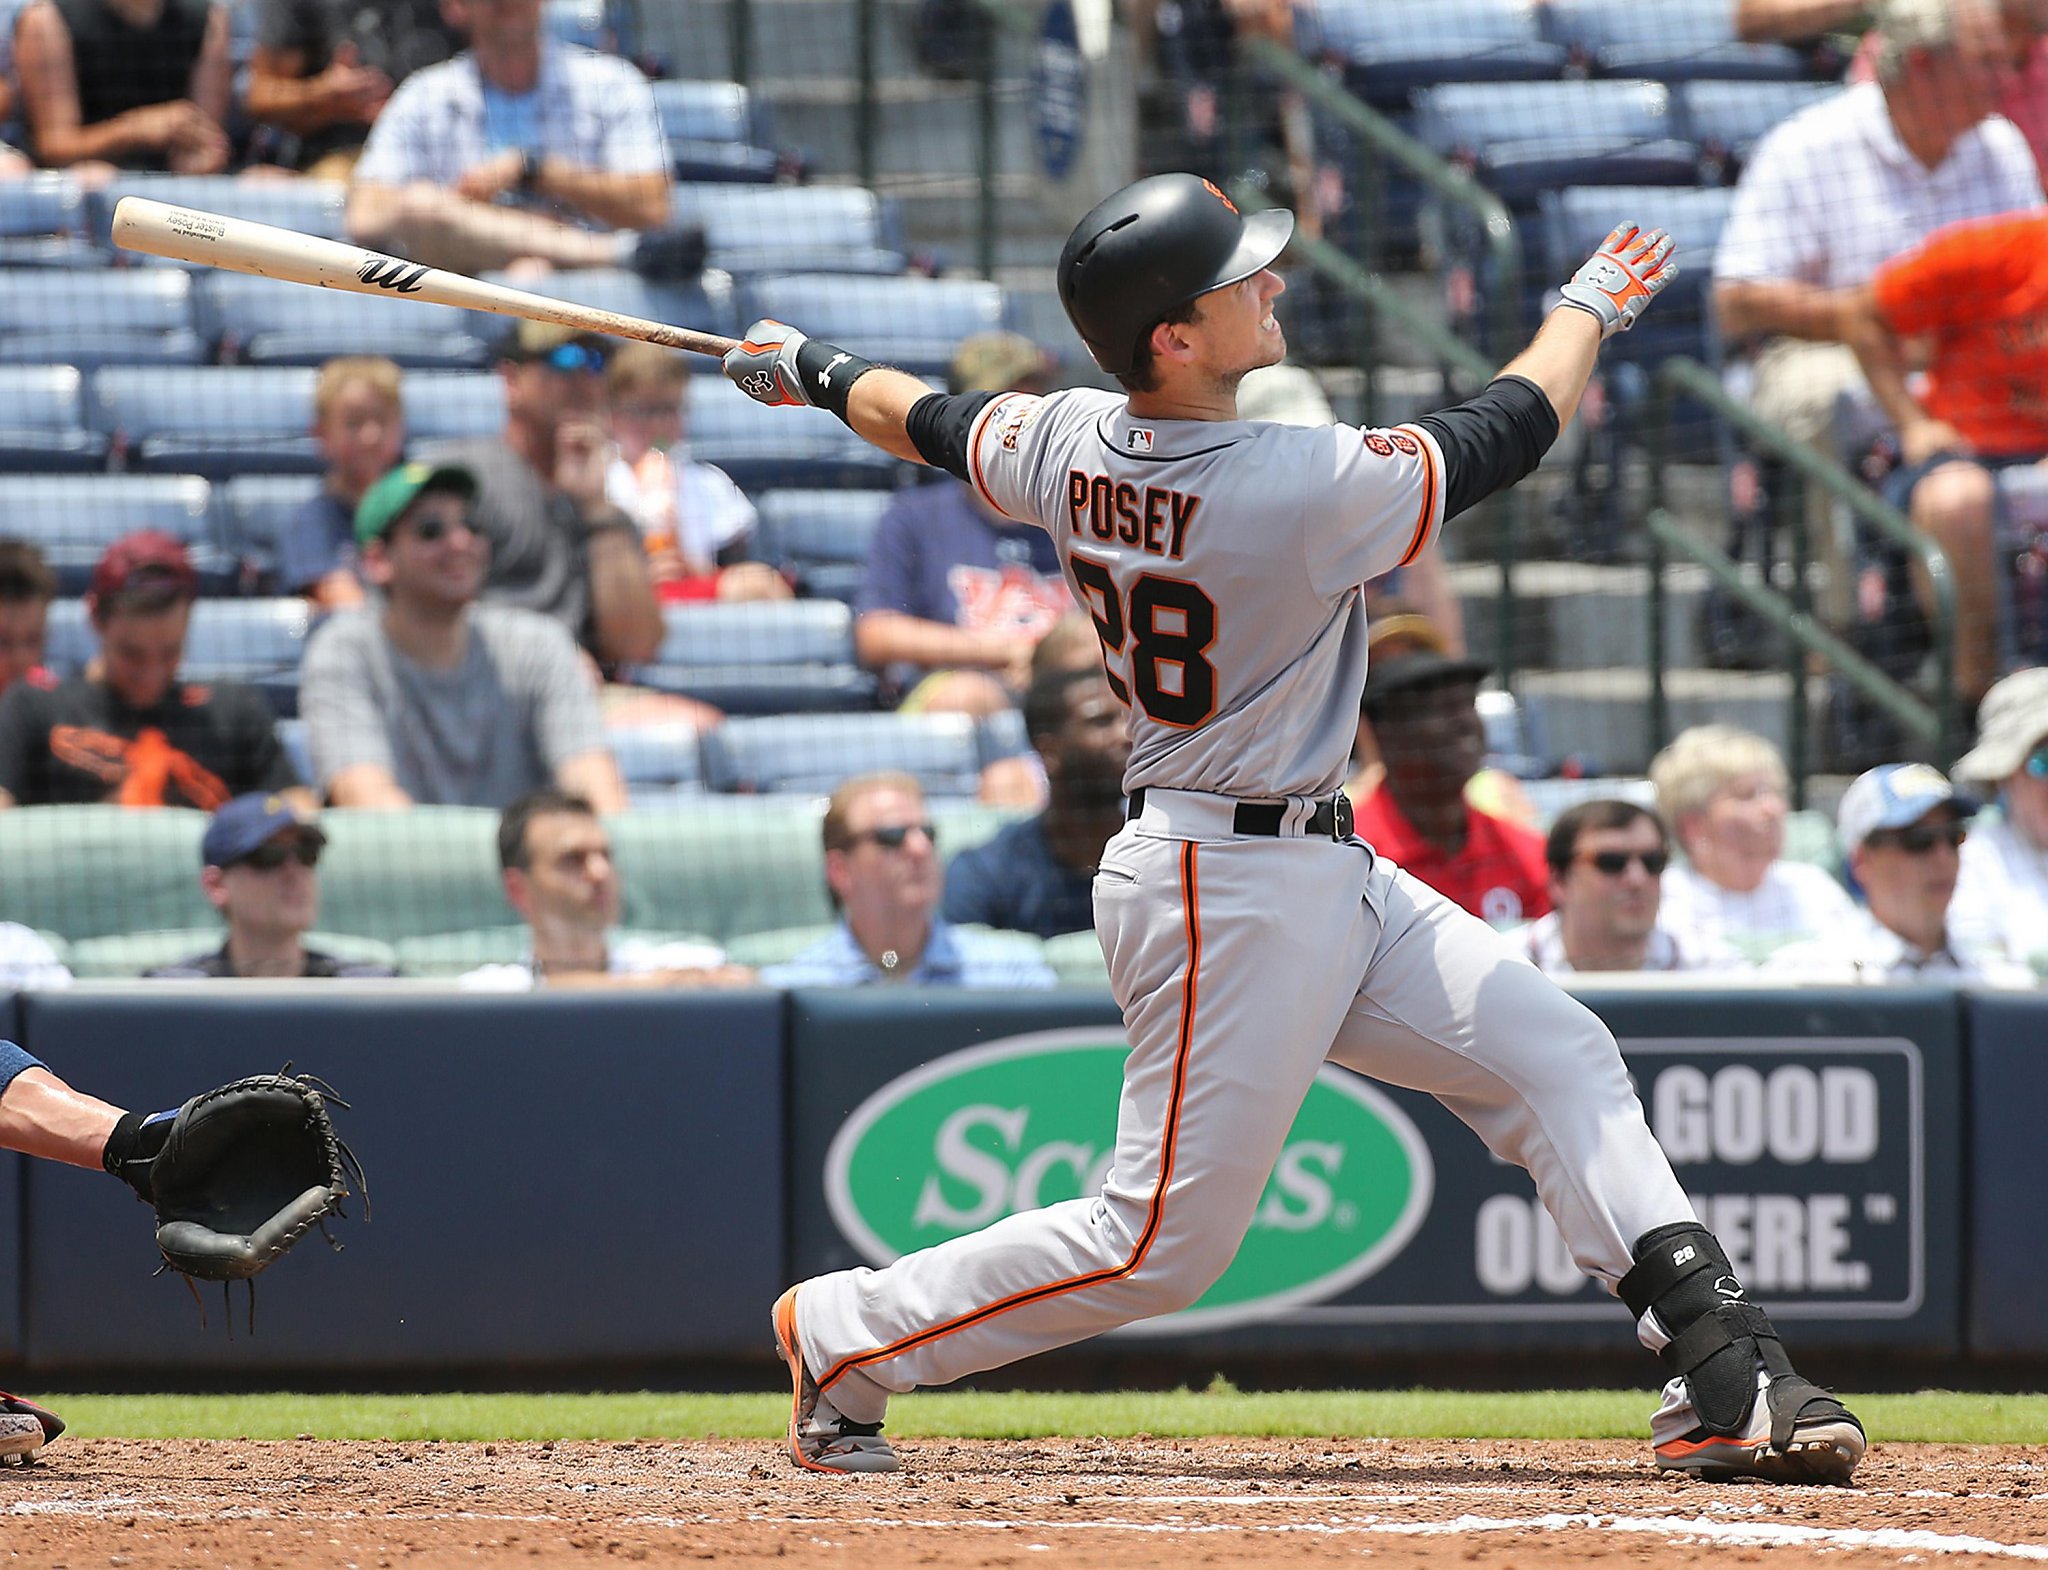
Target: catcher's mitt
{"type": "Point", "coordinates": [237, 1175]}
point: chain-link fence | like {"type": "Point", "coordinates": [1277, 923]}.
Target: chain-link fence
{"type": "Point", "coordinates": [1800, 498]}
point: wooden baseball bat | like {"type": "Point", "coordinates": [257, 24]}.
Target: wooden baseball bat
{"type": "Point", "coordinates": [267, 251]}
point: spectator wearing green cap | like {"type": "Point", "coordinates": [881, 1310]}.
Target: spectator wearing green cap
{"type": "Point", "coordinates": [432, 697]}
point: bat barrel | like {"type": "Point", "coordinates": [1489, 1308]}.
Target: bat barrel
{"type": "Point", "coordinates": [241, 245]}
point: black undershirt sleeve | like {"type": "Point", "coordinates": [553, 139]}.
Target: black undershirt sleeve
{"type": "Point", "coordinates": [938, 426]}
{"type": "Point", "coordinates": [1491, 440]}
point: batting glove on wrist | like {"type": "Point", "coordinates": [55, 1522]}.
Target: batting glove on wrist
{"type": "Point", "coordinates": [763, 364]}
{"type": "Point", "coordinates": [1628, 271]}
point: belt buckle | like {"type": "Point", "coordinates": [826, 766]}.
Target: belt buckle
{"type": "Point", "coordinates": [1341, 816]}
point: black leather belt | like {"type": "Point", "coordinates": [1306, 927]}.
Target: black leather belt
{"type": "Point", "coordinates": [1331, 819]}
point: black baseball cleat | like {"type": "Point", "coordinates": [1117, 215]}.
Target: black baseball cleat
{"type": "Point", "coordinates": [25, 1428]}
{"type": "Point", "coordinates": [820, 1439]}
{"type": "Point", "coordinates": [1796, 1433]}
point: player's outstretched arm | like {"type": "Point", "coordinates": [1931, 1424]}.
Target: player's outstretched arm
{"type": "Point", "coordinates": [1497, 437]}
{"type": "Point", "coordinates": [779, 366]}
{"type": "Point", "coordinates": [1604, 297]}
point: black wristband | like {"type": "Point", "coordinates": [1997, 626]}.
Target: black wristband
{"type": "Point", "coordinates": [828, 374]}
{"type": "Point", "coordinates": [126, 1156]}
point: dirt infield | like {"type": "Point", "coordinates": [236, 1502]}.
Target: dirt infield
{"type": "Point", "coordinates": [355, 1506]}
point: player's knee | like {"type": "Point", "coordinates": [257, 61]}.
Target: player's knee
{"type": "Point", "coordinates": [1954, 502]}
{"type": "Point", "coordinates": [1175, 1275]}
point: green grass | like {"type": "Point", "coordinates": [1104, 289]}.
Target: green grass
{"type": "Point", "coordinates": [1932, 1415]}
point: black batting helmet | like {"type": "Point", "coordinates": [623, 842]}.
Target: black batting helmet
{"type": "Point", "coordinates": [1153, 246]}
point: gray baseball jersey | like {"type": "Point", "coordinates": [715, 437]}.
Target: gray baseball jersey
{"type": "Point", "coordinates": [1222, 564]}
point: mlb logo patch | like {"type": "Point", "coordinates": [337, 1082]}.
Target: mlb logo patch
{"type": "Point", "coordinates": [1141, 439]}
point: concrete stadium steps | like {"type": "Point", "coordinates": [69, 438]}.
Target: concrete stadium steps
{"type": "Point", "coordinates": [1572, 617]}
{"type": "Point", "coordinates": [1604, 715]}
{"type": "Point", "coordinates": [922, 126]}
{"type": "Point", "coordinates": [801, 38]}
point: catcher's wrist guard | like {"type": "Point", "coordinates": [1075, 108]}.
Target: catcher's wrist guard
{"type": "Point", "coordinates": [133, 1146]}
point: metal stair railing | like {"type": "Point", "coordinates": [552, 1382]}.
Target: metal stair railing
{"type": "Point", "coordinates": [1938, 724]}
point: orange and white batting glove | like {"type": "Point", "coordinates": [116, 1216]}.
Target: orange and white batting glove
{"type": "Point", "coordinates": [763, 365]}
{"type": "Point", "coordinates": [1628, 271]}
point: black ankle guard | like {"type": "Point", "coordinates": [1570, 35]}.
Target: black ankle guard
{"type": "Point", "coordinates": [1717, 1335]}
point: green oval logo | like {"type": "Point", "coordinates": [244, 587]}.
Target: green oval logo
{"type": "Point", "coordinates": [1016, 1124]}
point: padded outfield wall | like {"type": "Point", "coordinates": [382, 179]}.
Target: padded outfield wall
{"type": "Point", "coordinates": [594, 1187]}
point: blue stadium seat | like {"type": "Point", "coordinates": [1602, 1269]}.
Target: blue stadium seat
{"type": "Point", "coordinates": [762, 448]}
{"type": "Point", "coordinates": [1525, 138]}
{"type": "Point", "coordinates": [584, 23]}
{"type": "Point", "coordinates": [309, 206]}
{"type": "Point", "coordinates": [812, 753]}
{"type": "Point", "coordinates": [42, 421]}
{"type": "Point", "coordinates": [216, 421]}
{"type": "Point", "coordinates": [660, 760]}
{"type": "Point", "coordinates": [253, 510]}
{"type": "Point", "coordinates": [91, 317]}
{"type": "Point", "coordinates": [1575, 221]}
{"type": "Point", "coordinates": [793, 228]}
{"type": "Point", "coordinates": [712, 132]}
{"type": "Point", "coordinates": [762, 657]}
{"type": "Point", "coordinates": [43, 221]}
{"type": "Point", "coordinates": [821, 537]}
{"type": "Point", "coordinates": [1727, 119]}
{"type": "Point", "coordinates": [447, 405]}
{"type": "Point", "coordinates": [1002, 735]}
{"type": "Point", "coordinates": [257, 642]}
{"type": "Point", "coordinates": [262, 321]}
{"type": "Point", "coordinates": [916, 323]}
{"type": "Point", "coordinates": [1390, 51]}
{"type": "Point", "coordinates": [1670, 41]}
{"type": "Point", "coordinates": [295, 736]}
{"type": "Point", "coordinates": [75, 517]}
{"type": "Point", "coordinates": [707, 304]}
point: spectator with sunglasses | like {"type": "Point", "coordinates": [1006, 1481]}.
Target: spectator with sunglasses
{"type": "Point", "coordinates": [1724, 791]}
{"type": "Point", "coordinates": [429, 696]}
{"type": "Point", "coordinates": [558, 545]}
{"type": "Point", "coordinates": [882, 872]}
{"type": "Point", "coordinates": [1901, 826]}
{"type": "Point", "coordinates": [2002, 893]}
{"type": "Point", "coordinates": [1605, 860]}
{"type": "Point", "coordinates": [257, 862]}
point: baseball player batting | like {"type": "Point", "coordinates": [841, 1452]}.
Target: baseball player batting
{"type": "Point", "coordinates": [1250, 934]}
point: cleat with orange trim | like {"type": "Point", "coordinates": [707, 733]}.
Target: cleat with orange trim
{"type": "Point", "coordinates": [25, 1428]}
{"type": "Point", "coordinates": [821, 1439]}
{"type": "Point", "coordinates": [1796, 1433]}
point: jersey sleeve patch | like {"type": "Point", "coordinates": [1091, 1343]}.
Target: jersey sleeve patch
{"type": "Point", "coordinates": [995, 446]}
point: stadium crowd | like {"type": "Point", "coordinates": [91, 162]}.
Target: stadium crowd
{"type": "Point", "coordinates": [558, 611]}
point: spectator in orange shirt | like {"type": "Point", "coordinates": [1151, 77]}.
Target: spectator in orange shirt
{"type": "Point", "coordinates": [1424, 711]}
{"type": "Point", "coordinates": [1974, 300]}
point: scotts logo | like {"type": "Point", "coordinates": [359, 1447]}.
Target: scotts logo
{"type": "Point", "coordinates": [1017, 1124]}
{"type": "Point", "coordinates": [387, 272]}
{"type": "Point", "coordinates": [1216, 191]}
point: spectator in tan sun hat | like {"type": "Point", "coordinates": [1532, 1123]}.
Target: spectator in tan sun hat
{"type": "Point", "coordinates": [957, 596]}
{"type": "Point", "coordinates": [1902, 827]}
{"type": "Point", "coordinates": [2002, 892]}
